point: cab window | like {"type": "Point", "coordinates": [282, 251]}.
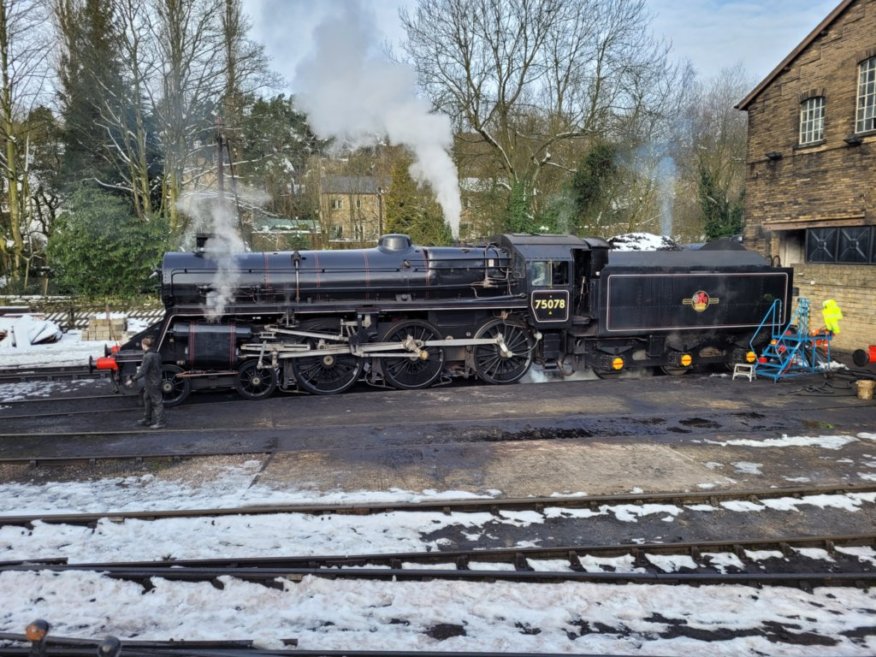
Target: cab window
{"type": "Point", "coordinates": [539, 273]}
{"type": "Point", "coordinates": [560, 273]}
{"type": "Point", "coordinates": [548, 273]}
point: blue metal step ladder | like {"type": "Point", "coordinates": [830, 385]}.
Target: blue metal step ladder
{"type": "Point", "coordinates": [792, 350]}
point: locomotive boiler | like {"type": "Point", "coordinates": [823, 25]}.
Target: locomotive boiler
{"type": "Point", "coordinates": [406, 316]}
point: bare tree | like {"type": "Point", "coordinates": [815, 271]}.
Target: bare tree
{"type": "Point", "coordinates": [186, 66]}
{"type": "Point", "coordinates": [529, 77]}
{"type": "Point", "coordinates": [23, 71]}
{"type": "Point", "coordinates": [188, 40]}
{"type": "Point", "coordinates": [709, 141]}
{"type": "Point", "coordinates": [105, 103]}
{"type": "Point", "coordinates": [132, 141]}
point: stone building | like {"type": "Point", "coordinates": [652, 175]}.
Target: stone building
{"type": "Point", "coordinates": [351, 209]}
{"type": "Point", "coordinates": [811, 179]}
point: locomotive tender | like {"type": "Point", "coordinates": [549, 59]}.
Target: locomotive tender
{"type": "Point", "coordinates": [407, 316]}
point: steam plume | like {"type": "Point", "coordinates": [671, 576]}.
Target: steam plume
{"type": "Point", "coordinates": [214, 214]}
{"type": "Point", "coordinates": [356, 96]}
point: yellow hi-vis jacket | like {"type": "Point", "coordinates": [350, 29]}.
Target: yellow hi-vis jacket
{"type": "Point", "coordinates": [832, 315]}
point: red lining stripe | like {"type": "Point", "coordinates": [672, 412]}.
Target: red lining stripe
{"type": "Point", "coordinates": [232, 339]}
{"type": "Point", "coordinates": [367, 277]}
{"type": "Point", "coordinates": [191, 343]}
{"type": "Point", "coordinates": [316, 261]}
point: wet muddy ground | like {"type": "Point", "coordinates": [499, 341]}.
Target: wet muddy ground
{"type": "Point", "coordinates": [656, 433]}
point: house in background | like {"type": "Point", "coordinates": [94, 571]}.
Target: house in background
{"type": "Point", "coordinates": [351, 209]}
{"type": "Point", "coordinates": [811, 179]}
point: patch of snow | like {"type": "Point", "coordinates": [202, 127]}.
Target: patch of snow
{"type": "Point", "coordinates": [747, 467]}
{"type": "Point", "coordinates": [642, 242]}
{"type": "Point", "coordinates": [827, 442]}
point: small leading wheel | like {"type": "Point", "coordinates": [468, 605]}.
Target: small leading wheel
{"type": "Point", "coordinates": [174, 389]}
{"type": "Point", "coordinates": [423, 366]}
{"type": "Point", "coordinates": [506, 361]}
{"type": "Point", "coordinates": [327, 374]}
{"type": "Point", "coordinates": [254, 382]}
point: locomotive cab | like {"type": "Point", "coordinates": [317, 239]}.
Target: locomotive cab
{"type": "Point", "coordinates": [555, 272]}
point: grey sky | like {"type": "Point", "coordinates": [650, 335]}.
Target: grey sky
{"type": "Point", "coordinates": [711, 34]}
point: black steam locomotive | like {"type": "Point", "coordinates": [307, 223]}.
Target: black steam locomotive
{"type": "Point", "coordinates": [408, 317]}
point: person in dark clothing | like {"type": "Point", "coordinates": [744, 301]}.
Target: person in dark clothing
{"type": "Point", "coordinates": [150, 372]}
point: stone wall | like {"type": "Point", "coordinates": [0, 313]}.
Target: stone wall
{"type": "Point", "coordinates": [853, 288]}
{"type": "Point", "coordinates": [831, 183]}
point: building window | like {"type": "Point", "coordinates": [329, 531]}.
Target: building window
{"type": "Point", "coordinates": [865, 118]}
{"type": "Point", "coordinates": [812, 120]}
{"type": "Point", "coordinates": [337, 204]}
{"type": "Point", "coordinates": [851, 245]}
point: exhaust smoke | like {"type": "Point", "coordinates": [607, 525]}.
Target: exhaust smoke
{"type": "Point", "coordinates": [213, 214]}
{"type": "Point", "coordinates": [354, 94]}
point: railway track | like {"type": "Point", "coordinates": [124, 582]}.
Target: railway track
{"type": "Point", "coordinates": [75, 647]}
{"type": "Point", "coordinates": [63, 373]}
{"type": "Point", "coordinates": [697, 563]}
{"type": "Point", "coordinates": [478, 505]}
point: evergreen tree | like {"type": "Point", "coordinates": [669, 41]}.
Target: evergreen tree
{"type": "Point", "coordinates": [592, 185]}
{"type": "Point", "coordinates": [519, 215]}
{"type": "Point", "coordinates": [100, 249]}
{"type": "Point", "coordinates": [722, 217]}
{"type": "Point", "coordinates": [92, 89]}
{"type": "Point", "coordinates": [412, 210]}
{"type": "Point", "coordinates": [276, 142]}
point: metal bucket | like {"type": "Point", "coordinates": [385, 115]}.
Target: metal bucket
{"type": "Point", "coordinates": [864, 388]}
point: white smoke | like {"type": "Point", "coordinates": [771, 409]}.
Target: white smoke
{"type": "Point", "coordinates": [215, 215]}
{"type": "Point", "coordinates": [352, 93]}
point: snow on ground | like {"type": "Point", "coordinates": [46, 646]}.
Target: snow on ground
{"type": "Point", "coordinates": [27, 330]}
{"type": "Point", "coordinates": [288, 533]}
{"type": "Point", "coordinates": [64, 349]}
{"type": "Point", "coordinates": [60, 349]}
{"type": "Point", "coordinates": [384, 616]}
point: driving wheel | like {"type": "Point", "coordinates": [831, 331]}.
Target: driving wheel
{"type": "Point", "coordinates": [507, 360]}
{"type": "Point", "coordinates": [423, 366]}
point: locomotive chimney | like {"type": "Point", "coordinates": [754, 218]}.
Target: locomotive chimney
{"type": "Point", "coordinates": [201, 242]}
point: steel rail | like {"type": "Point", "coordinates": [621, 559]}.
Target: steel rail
{"type": "Point", "coordinates": [56, 400]}
{"type": "Point", "coordinates": [489, 505]}
{"type": "Point", "coordinates": [462, 559]}
{"type": "Point", "coordinates": [73, 647]}
{"type": "Point", "coordinates": [60, 645]}
{"type": "Point", "coordinates": [91, 411]}
{"type": "Point", "coordinates": [18, 375]}
{"type": "Point", "coordinates": [269, 576]}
